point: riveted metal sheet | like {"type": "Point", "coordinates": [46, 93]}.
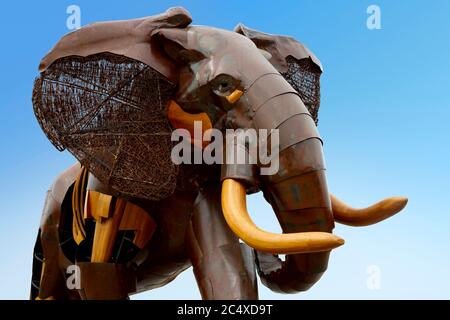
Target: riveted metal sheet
{"type": "Point", "coordinates": [267, 87]}
{"type": "Point", "coordinates": [300, 158]}
{"type": "Point", "coordinates": [106, 281]}
{"type": "Point", "coordinates": [278, 46]}
{"type": "Point", "coordinates": [242, 167]}
{"type": "Point", "coordinates": [296, 63]}
{"type": "Point", "coordinates": [277, 110]}
{"type": "Point", "coordinates": [218, 259]}
{"type": "Point", "coordinates": [296, 129]}
{"type": "Point", "coordinates": [300, 192]}
{"type": "Point", "coordinates": [245, 173]}
{"type": "Point", "coordinates": [306, 220]}
{"type": "Point", "coordinates": [129, 38]}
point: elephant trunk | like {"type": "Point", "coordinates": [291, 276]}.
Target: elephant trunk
{"type": "Point", "coordinates": [301, 204]}
{"type": "Point", "coordinates": [297, 192]}
{"type": "Point", "coordinates": [299, 196]}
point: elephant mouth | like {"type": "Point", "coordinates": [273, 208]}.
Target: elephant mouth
{"type": "Point", "coordinates": [238, 219]}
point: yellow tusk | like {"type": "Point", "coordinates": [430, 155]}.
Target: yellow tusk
{"type": "Point", "coordinates": [384, 209]}
{"type": "Point", "coordinates": [236, 215]}
{"type": "Point", "coordinates": [48, 298]}
{"type": "Point", "coordinates": [181, 119]}
{"type": "Point", "coordinates": [234, 96]}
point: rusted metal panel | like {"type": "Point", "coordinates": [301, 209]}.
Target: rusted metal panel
{"type": "Point", "coordinates": [218, 259]}
{"type": "Point", "coordinates": [299, 192]}
{"type": "Point", "coordinates": [106, 281]}
{"type": "Point", "coordinates": [297, 128]}
{"type": "Point", "coordinates": [129, 38]}
{"type": "Point", "coordinates": [265, 88]}
{"type": "Point", "coordinates": [277, 110]}
{"type": "Point", "coordinates": [300, 158]}
{"type": "Point", "coordinates": [279, 47]}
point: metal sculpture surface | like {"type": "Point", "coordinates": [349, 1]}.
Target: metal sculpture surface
{"type": "Point", "coordinates": [127, 216]}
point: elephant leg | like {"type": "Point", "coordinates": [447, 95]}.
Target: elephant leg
{"type": "Point", "coordinates": [48, 280]}
{"type": "Point", "coordinates": [223, 267]}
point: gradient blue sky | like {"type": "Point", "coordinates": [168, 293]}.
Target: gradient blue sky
{"type": "Point", "coordinates": [384, 118]}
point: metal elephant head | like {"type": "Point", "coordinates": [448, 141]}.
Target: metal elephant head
{"type": "Point", "coordinates": [248, 79]}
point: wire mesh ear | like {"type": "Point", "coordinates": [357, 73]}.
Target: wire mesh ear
{"type": "Point", "coordinates": [110, 112]}
{"type": "Point", "coordinates": [102, 94]}
{"type": "Point", "coordinates": [304, 76]}
{"type": "Point", "coordinates": [299, 66]}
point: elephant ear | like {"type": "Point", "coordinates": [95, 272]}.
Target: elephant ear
{"type": "Point", "coordinates": [103, 93]}
{"type": "Point", "coordinates": [296, 63]}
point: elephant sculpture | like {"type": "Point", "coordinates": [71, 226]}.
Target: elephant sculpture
{"type": "Point", "coordinates": [125, 218]}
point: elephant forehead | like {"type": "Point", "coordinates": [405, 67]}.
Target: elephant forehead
{"type": "Point", "coordinates": [206, 71]}
{"type": "Point", "coordinates": [212, 40]}
{"type": "Point", "coordinates": [224, 52]}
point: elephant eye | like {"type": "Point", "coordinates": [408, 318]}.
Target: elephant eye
{"type": "Point", "coordinates": [224, 85]}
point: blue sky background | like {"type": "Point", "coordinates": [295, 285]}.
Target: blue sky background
{"type": "Point", "coordinates": [384, 118]}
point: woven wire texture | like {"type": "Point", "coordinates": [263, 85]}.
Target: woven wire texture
{"type": "Point", "coordinates": [304, 76]}
{"type": "Point", "coordinates": [109, 111]}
